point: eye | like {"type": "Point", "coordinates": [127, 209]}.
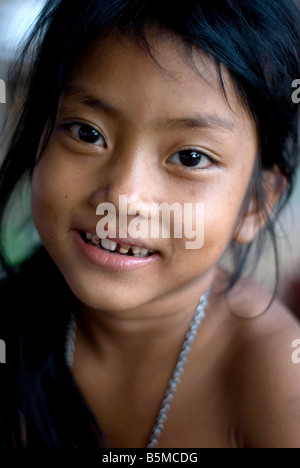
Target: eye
{"type": "Point", "coordinates": [85, 133]}
{"type": "Point", "coordinates": [193, 159]}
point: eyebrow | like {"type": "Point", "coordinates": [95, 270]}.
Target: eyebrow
{"type": "Point", "coordinates": [212, 120]}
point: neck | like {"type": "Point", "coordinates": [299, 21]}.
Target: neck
{"type": "Point", "coordinates": [142, 336]}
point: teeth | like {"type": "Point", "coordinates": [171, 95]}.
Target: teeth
{"type": "Point", "coordinates": [137, 252]}
{"type": "Point", "coordinates": [108, 244]}
{"type": "Point", "coordinates": [95, 240]}
{"type": "Point", "coordinates": [112, 246]}
{"type": "Point", "coordinates": [145, 252]}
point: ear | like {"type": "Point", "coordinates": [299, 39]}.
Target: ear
{"type": "Point", "coordinates": [255, 219]}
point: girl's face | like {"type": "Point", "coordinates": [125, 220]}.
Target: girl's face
{"type": "Point", "coordinates": [156, 133]}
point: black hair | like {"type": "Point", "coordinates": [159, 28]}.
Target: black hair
{"type": "Point", "coordinates": [258, 41]}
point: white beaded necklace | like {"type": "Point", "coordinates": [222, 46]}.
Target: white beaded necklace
{"type": "Point", "coordinates": [173, 384]}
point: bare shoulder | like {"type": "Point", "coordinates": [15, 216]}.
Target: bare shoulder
{"type": "Point", "coordinates": [263, 369]}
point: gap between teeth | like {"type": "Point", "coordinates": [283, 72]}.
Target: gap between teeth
{"type": "Point", "coordinates": [112, 246]}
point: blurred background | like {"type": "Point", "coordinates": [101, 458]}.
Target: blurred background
{"type": "Point", "coordinates": [16, 16]}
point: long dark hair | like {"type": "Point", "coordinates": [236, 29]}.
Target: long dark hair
{"type": "Point", "coordinates": [259, 43]}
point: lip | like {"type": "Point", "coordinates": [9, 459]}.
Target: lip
{"type": "Point", "coordinates": [112, 261]}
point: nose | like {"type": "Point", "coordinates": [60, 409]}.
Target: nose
{"type": "Point", "coordinates": [131, 173]}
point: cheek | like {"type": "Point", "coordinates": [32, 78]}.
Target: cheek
{"type": "Point", "coordinates": [221, 218]}
{"type": "Point", "coordinates": [212, 228]}
{"type": "Point", "coordinates": [52, 196]}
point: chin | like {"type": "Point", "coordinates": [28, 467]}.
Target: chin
{"type": "Point", "coordinates": [107, 297]}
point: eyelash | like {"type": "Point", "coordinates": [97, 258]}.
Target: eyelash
{"type": "Point", "coordinates": [194, 153]}
{"type": "Point", "coordinates": [67, 127]}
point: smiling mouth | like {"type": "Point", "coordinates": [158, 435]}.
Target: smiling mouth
{"type": "Point", "coordinates": [114, 247]}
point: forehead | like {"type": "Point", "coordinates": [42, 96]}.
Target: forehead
{"type": "Point", "coordinates": [167, 80]}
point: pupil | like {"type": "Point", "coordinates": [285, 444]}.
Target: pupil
{"type": "Point", "coordinates": [190, 158]}
{"type": "Point", "coordinates": [88, 134]}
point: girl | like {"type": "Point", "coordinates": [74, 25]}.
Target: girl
{"type": "Point", "coordinates": [107, 343]}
